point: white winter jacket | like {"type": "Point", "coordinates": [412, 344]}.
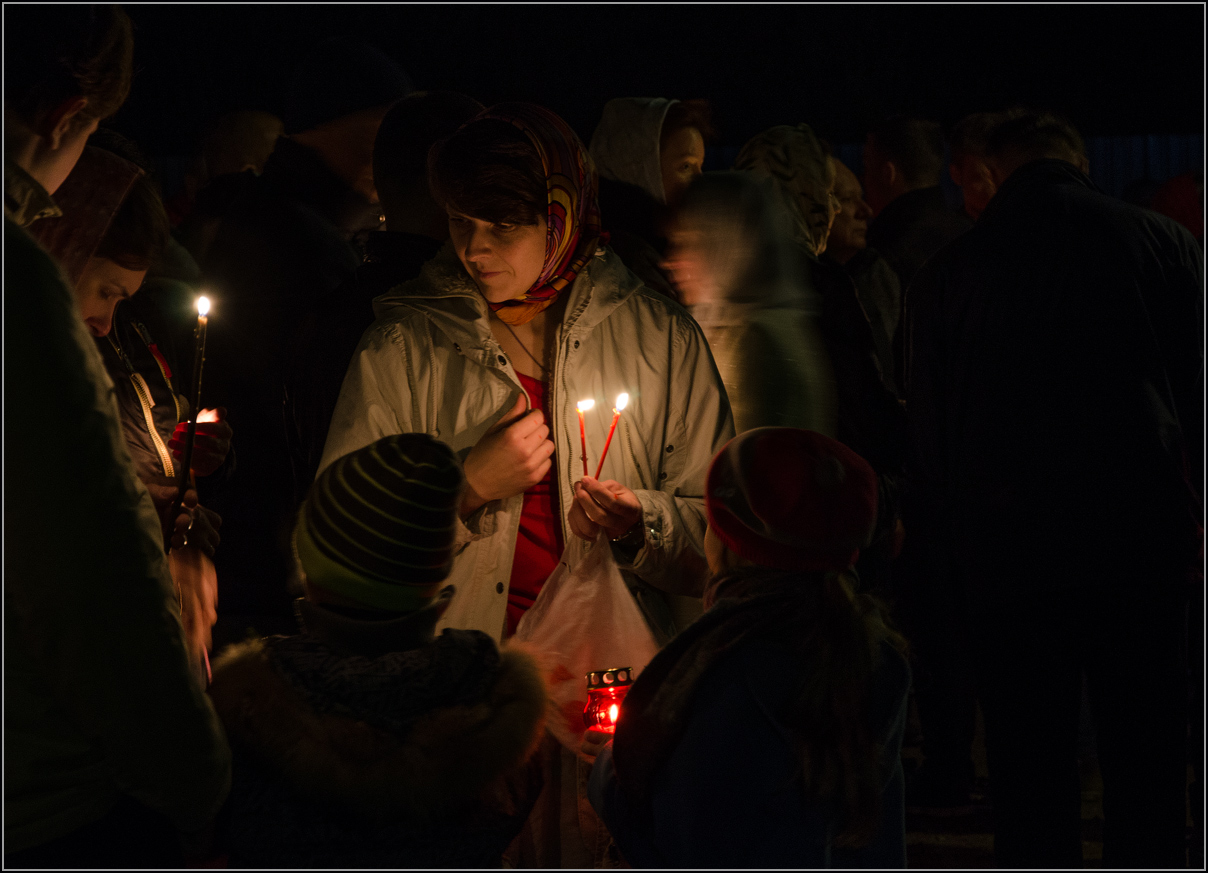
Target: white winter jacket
{"type": "Point", "coordinates": [429, 364]}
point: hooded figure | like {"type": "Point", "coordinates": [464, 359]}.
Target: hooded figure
{"type": "Point", "coordinates": [734, 264]}
{"type": "Point", "coordinates": [627, 148]}
{"type": "Point", "coordinates": [804, 176]}
{"type": "Point", "coordinates": [869, 419]}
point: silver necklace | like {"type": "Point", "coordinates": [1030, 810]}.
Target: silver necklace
{"type": "Point", "coordinates": [520, 342]}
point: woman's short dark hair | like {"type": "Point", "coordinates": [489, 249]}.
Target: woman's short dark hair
{"type": "Point", "coordinates": [489, 170]}
{"type": "Point", "coordinates": [688, 113]}
{"type": "Point", "coordinates": [54, 52]}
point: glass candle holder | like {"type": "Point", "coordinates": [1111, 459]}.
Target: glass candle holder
{"type": "Point", "coordinates": [605, 691]}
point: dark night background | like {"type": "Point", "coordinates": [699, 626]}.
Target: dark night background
{"type": "Point", "coordinates": [1115, 70]}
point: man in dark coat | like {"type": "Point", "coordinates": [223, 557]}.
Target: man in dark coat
{"type": "Point", "coordinates": [903, 159]}
{"type": "Point", "coordinates": [269, 246]}
{"type": "Point", "coordinates": [1054, 389]}
{"type": "Point", "coordinates": [415, 230]}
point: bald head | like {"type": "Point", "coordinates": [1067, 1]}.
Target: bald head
{"type": "Point", "coordinates": [1034, 136]}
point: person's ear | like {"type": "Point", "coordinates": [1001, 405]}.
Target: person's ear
{"type": "Point", "coordinates": [60, 121]}
{"type": "Point", "coordinates": [954, 173]}
{"type": "Point", "coordinates": [891, 174]}
{"type": "Point", "coordinates": [1084, 165]}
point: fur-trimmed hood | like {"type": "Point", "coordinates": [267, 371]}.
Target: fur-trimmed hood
{"type": "Point", "coordinates": [443, 762]}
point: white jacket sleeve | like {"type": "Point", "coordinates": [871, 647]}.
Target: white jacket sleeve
{"type": "Point", "coordinates": [674, 514]}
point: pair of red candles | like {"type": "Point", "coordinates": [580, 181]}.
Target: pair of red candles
{"type": "Point", "coordinates": [583, 406]}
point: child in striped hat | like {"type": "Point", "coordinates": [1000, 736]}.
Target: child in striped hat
{"type": "Point", "coordinates": [367, 740]}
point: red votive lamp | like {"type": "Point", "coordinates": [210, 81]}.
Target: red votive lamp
{"type": "Point", "coordinates": [605, 691]}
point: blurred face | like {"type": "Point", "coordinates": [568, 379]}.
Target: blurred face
{"type": "Point", "coordinates": [504, 260]}
{"type": "Point", "coordinates": [103, 285]}
{"type": "Point", "coordinates": [849, 233]}
{"type": "Point", "coordinates": [683, 159]}
{"type": "Point", "coordinates": [976, 182]}
{"type": "Point", "coordinates": [687, 262]}
{"type": "Point", "coordinates": [706, 257]}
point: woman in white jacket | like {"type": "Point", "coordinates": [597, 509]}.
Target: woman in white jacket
{"type": "Point", "coordinates": [521, 316]}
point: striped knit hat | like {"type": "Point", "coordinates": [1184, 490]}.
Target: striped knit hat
{"type": "Point", "coordinates": [378, 524]}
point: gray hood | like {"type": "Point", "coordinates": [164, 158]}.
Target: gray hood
{"type": "Point", "coordinates": [625, 146]}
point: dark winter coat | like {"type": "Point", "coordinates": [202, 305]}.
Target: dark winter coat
{"type": "Point", "coordinates": [913, 227]}
{"type": "Point", "coordinates": [100, 699]}
{"type": "Point", "coordinates": [871, 421]}
{"type": "Point", "coordinates": [328, 335]}
{"type": "Point", "coordinates": [269, 247]}
{"type": "Point", "coordinates": [146, 392]}
{"type": "Point", "coordinates": [373, 744]}
{"type": "Point", "coordinates": [707, 769]}
{"type": "Point", "coordinates": [1055, 389]}
{"type": "Point", "coordinates": [880, 294]}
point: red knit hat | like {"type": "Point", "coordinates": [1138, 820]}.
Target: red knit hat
{"type": "Point", "coordinates": [791, 499]}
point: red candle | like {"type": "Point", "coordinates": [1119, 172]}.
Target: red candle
{"type": "Point", "coordinates": [583, 406]}
{"type": "Point", "coordinates": [622, 402]}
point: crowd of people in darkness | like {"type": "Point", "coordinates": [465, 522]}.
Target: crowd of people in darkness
{"type": "Point", "coordinates": [884, 462]}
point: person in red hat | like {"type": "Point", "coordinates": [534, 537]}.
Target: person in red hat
{"type": "Point", "coordinates": [769, 732]}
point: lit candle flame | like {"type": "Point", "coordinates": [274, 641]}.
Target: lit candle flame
{"type": "Point", "coordinates": [585, 405]}
{"type": "Point", "coordinates": [613, 711]}
{"type": "Point", "coordinates": [622, 401]}
{"type": "Point", "coordinates": [207, 415]}
{"type": "Point", "coordinates": [203, 306]}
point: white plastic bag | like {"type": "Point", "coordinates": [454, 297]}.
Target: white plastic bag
{"type": "Point", "coordinates": [584, 619]}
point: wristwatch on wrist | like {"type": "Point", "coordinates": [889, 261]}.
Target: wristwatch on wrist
{"type": "Point", "coordinates": [631, 542]}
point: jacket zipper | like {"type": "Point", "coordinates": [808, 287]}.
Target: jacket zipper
{"type": "Point", "coordinates": [144, 399]}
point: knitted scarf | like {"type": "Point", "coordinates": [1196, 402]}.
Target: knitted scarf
{"type": "Point", "coordinates": [572, 207]}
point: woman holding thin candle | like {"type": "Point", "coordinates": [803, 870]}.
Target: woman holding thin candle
{"type": "Point", "coordinates": [113, 228]}
{"type": "Point", "coordinates": [524, 314]}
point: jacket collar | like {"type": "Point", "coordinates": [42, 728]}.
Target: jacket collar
{"type": "Point", "coordinates": [1044, 173]}
{"type": "Point", "coordinates": [447, 296]}
{"type": "Point", "coordinates": [25, 200]}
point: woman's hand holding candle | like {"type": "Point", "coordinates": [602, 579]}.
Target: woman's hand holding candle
{"type": "Point", "coordinates": [211, 442]}
{"type": "Point", "coordinates": [512, 458]}
{"type": "Point", "coordinates": [606, 505]}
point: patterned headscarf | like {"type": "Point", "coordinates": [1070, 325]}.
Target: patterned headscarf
{"type": "Point", "coordinates": [572, 206]}
{"type": "Point", "coordinates": [793, 158]}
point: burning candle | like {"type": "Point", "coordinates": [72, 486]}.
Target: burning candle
{"type": "Point", "coordinates": [605, 691]}
{"type": "Point", "coordinates": [199, 358]}
{"type": "Point", "coordinates": [622, 402]}
{"type": "Point", "coordinates": [583, 406]}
